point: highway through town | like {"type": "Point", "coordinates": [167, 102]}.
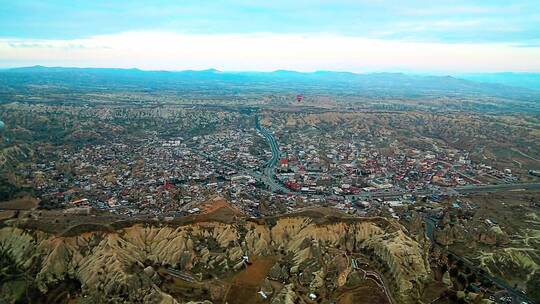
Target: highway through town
{"type": "Point", "coordinates": [270, 180]}
{"type": "Point", "coordinates": [463, 190]}
{"type": "Point", "coordinates": [269, 175]}
{"type": "Point", "coordinates": [271, 141]}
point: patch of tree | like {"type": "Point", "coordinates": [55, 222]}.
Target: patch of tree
{"type": "Point", "coordinates": [9, 191]}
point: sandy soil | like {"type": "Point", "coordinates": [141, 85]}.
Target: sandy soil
{"type": "Point", "coordinates": [367, 292]}
{"type": "Point", "coordinates": [245, 285]}
{"type": "Point", "coordinates": [23, 203]}
{"type": "Point", "coordinates": [218, 203]}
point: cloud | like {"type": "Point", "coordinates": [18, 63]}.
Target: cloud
{"type": "Point", "coordinates": [455, 9]}
{"type": "Point", "coordinates": [529, 45]}
{"type": "Point", "coordinates": [267, 51]}
{"type": "Point", "coordinates": [456, 21]}
{"type": "Point", "coordinates": [36, 44]}
{"type": "Point", "coordinates": [17, 45]}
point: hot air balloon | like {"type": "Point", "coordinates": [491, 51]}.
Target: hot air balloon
{"type": "Point", "coordinates": [2, 125]}
{"type": "Point", "coordinates": [299, 98]}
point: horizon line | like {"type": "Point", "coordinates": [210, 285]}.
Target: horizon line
{"type": "Point", "coordinates": [422, 73]}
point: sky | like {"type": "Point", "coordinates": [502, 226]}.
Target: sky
{"type": "Point", "coordinates": [304, 35]}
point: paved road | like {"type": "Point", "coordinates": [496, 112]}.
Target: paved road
{"type": "Point", "coordinates": [271, 141]}
{"type": "Point", "coordinates": [269, 170]}
{"type": "Point", "coordinates": [469, 189]}
{"type": "Point", "coordinates": [496, 188]}
{"type": "Point", "coordinates": [268, 177]}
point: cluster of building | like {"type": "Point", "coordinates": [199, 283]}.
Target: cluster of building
{"type": "Point", "coordinates": [158, 175]}
{"type": "Point", "coordinates": [241, 148]}
{"type": "Point", "coordinates": [338, 162]}
{"type": "Point", "coordinates": [149, 175]}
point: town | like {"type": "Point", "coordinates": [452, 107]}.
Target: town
{"type": "Point", "coordinates": [170, 176]}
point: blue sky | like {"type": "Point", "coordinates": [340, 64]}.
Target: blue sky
{"type": "Point", "coordinates": [58, 27]}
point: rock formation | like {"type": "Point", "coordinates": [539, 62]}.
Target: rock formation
{"type": "Point", "coordinates": [122, 265]}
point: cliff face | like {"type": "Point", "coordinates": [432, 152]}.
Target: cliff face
{"type": "Point", "coordinates": [114, 265]}
{"type": "Point", "coordinates": [451, 234]}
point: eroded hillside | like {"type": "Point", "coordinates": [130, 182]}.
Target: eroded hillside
{"type": "Point", "coordinates": [289, 259]}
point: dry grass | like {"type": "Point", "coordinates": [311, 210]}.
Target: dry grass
{"type": "Point", "coordinates": [23, 203]}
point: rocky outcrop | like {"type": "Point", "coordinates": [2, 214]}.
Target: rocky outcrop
{"type": "Point", "coordinates": [122, 264]}
{"type": "Point", "coordinates": [450, 234]}
{"type": "Point", "coordinates": [493, 236]}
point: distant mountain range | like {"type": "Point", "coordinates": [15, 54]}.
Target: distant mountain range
{"type": "Point", "coordinates": [524, 80]}
{"type": "Point", "coordinates": [525, 87]}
